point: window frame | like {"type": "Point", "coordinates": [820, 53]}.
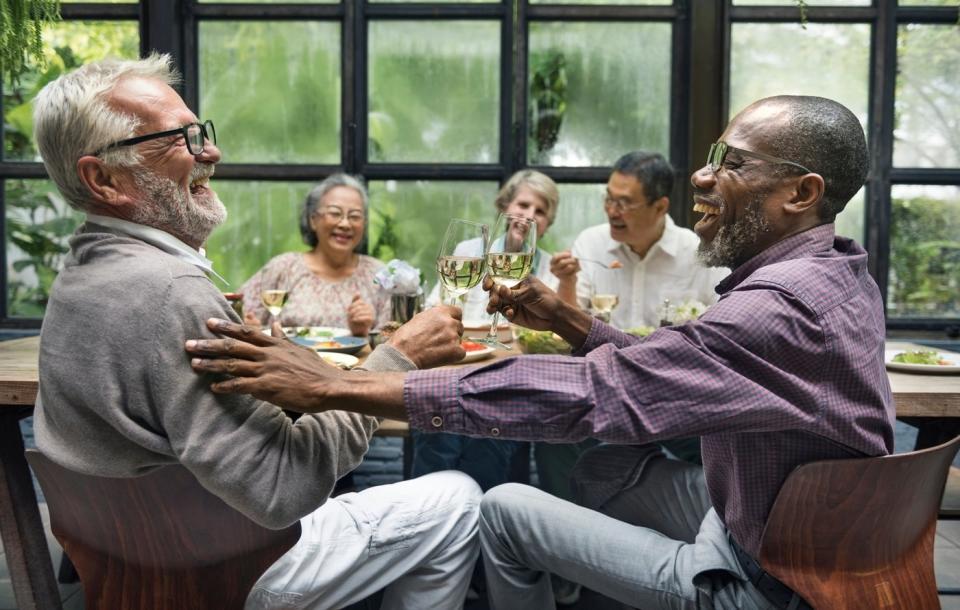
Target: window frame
{"type": "Point", "coordinates": [699, 77]}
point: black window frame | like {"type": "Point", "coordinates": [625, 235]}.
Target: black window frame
{"type": "Point", "coordinates": [699, 78]}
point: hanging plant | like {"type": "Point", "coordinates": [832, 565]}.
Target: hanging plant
{"type": "Point", "coordinates": [548, 99]}
{"type": "Point", "coordinates": [802, 5]}
{"type": "Point", "coordinates": [21, 33]}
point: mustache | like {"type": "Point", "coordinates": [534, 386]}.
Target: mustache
{"type": "Point", "coordinates": [202, 171]}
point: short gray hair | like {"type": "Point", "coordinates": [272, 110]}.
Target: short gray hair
{"type": "Point", "coordinates": [312, 202]}
{"type": "Point", "coordinates": [71, 118]}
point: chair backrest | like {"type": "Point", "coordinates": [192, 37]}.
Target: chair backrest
{"type": "Point", "coordinates": [859, 533]}
{"type": "Point", "coordinates": [158, 541]}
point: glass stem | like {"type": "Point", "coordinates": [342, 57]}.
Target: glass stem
{"type": "Point", "coordinates": [492, 335]}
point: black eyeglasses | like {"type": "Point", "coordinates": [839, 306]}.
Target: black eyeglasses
{"type": "Point", "coordinates": [195, 135]}
{"type": "Point", "coordinates": [718, 152]}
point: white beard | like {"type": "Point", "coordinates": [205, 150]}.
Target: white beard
{"type": "Point", "coordinates": [168, 207]}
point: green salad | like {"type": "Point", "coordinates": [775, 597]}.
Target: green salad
{"type": "Point", "coordinates": [920, 357]}
{"type": "Point", "coordinates": [541, 342]}
{"type": "Point", "coordinates": [640, 331]}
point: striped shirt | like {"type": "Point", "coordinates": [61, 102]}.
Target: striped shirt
{"type": "Point", "coordinates": [787, 368]}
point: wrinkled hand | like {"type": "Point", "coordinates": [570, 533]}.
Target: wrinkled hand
{"type": "Point", "coordinates": [564, 265]}
{"type": "Point", "coordinates": [530, 303]}
{"type": "Point", "coordinates": [431, 338]}
{"type": "Point", "coordinates": [359, 316]}
{"type": "Point", "coordinates": [269, 368]}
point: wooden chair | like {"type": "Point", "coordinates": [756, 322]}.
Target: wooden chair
{"type": "Point", "coordinates": [859, 533]}
{"type": "Point", "coordinates": [156, 542]}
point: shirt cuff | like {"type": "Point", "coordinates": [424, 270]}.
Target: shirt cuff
{"type": "Point", "coordinates": [432, 400]}
{"type": "Point", "coordinates": [387, 358]}
{"type": "Point", "coordinates": [599, 334]}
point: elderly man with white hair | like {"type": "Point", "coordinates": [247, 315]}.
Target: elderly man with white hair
{"type": "Point", "coordinates": [117, 395]}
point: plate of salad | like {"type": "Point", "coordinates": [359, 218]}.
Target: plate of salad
{"type": "Point", "coordinates": [923, 361]}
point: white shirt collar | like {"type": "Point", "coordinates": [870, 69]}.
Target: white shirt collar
{"type": "Point", "coordinates": [159, 239]}
{"type": "Point", "coordinates": [669, 242]}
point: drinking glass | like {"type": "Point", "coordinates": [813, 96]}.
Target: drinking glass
{"type": "Point", "coordinates": [274, 299]}
{"type": "Point", "coordinates": [513, 245]}
{"type": "Point", "coordinates": [603, 304]}
{"type": "Point", "coordinates": [460, 261]}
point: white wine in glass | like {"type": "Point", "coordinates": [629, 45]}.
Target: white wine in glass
{"type": "Point", "coordinates": [274, 300]}
{"type": "Point", "coordinates": [603, 304]}
{"type": "Point", "coordinates": [460, 261]}
{"type": "Point", "coordinates": [509, 259]}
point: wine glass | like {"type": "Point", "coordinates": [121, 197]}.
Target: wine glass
{"type": "Point", "coordinates": [460, 260]}
{"type": "Point", "coordinates": [274, 299]}
{"type": "Point", "coordinates": [513, 245]}
{"type": "Point", "coordinates": [603, 304]}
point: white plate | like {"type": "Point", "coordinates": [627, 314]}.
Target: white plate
{"type": "Point", "coordinates": [478, 354]}
{"type": "Point", "coordinates": [341, 360]}
{"type": "Point", "coordinates": [923, 368]}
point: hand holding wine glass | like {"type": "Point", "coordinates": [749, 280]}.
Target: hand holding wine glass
{"type": "Point", "coordinates": [460, 262]}
{"type": "Point", "coordinates": [513, 245]}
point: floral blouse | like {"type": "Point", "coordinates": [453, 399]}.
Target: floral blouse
{"type": "Point", "coordinates": [311, 300]}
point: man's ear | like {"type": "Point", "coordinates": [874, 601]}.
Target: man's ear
{"type": "Point", "coordinates": [662, 205]}
{"type": "Point", "coordinates": [102, 182]}
{"type": "Point", "coordinates": [807, 196]}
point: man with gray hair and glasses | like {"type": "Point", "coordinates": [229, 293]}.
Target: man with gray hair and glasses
{"type": "Point", "coordinates": [117, 396]}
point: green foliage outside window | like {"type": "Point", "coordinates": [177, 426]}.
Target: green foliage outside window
{"type": "Point", "coordinates": [924, 257]}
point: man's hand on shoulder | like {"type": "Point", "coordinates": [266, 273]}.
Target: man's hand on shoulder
{"type": "Point", "coordinates": [431, 338]}
{"type": "Point", "coordinates": [270, 368]}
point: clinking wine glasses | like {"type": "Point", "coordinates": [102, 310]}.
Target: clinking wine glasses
{"type": "Point", "coordinates": [513, 245]}
{"type": "Point", "coordinates": [460, 262]}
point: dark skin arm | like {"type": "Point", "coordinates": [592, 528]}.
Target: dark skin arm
{"type": "Point", "coordinates": [293, 377]}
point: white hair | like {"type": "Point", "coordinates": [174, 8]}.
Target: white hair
{"type": "Point", "coordinates": [72, 118]}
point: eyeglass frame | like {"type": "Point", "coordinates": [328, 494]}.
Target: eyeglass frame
{"type": "Point", "coordinates": [725, 148]}
{"type": "Point", "coordinates": [359, 217]}
{"type": "Point", "coordinates": [210, 134]}
{"type": "Point", "coordinates": [619, 206]}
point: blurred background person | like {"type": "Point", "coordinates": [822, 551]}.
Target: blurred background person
{"type": "Point", "coordinates": [331, 284]}
{"type": "Point", "coordinates": [657, 260]}
{"type": "Point", "coordinates": [530, 194]}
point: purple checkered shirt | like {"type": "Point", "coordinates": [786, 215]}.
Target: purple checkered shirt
{"type": "Point", "coordinates": [787, 368]}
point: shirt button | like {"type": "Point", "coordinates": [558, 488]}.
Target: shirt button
{"type": "Point", "coordinates": [437, 421]}
{"type": "Point", "coordinates": [494, 431]}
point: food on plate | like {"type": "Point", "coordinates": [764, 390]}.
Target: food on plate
{"type": "Point", "coordinates": [470, 346]}
{"type": "Point", "coordinates": [640, 331]}
{"type": "Point", "coordinates": [615, 264]}
{"type": "Point", "coordinates": [921, 356]}
{"type": "Point", "coordinates": [328, 345]}
{"type": "Point", "coordinates": [541, 342]}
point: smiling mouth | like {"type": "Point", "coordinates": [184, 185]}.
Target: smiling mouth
{"type": "Point", "coordinates": [706, 210]}
{"type": "Point", "coordinates": [198, 185]}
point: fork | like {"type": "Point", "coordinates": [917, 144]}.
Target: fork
{"type": "Point", "coordinates": [614, 265]}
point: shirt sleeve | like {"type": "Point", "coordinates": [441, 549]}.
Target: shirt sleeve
{"type": "Point", "coordinates": [246, 451]}
{"type": "Point", "coordinates": [723, 373]}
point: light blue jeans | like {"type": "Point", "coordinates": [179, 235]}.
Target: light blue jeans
{"type": "Point", "coordinates": [417, 538]}
{"type": "Point", "coordinates": [527, 534]}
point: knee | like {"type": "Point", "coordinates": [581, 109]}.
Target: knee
{"type": "Point", "coordinates": [500, 500]}
{"type": "Point", "coordinates": [460, 488]}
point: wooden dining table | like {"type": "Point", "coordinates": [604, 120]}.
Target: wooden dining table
{"type": "Point", "coordinates": [917, 398]}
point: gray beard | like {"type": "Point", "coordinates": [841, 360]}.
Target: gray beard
{"type": "Point", "coordinates": [730, 246]}
{"type": "Point", "coordinates": [168, 207]}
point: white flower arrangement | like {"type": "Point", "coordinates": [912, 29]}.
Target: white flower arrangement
{"type": "Point", "coordinates": [400, 278]}
{"type": "Point", "coordinates": [691, 309]}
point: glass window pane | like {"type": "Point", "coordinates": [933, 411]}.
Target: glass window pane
{"type": "Point", "coordinates": [765, 59]}
{"type": "Point", "coordinates": [66, 45]}
{"type": "Point", "coordinates": [927, 130]}
{"type": "Point", "coordinates": [270, 1]}
{"type": "Point", "coordinates": [580, 207]}
{"type": "Point", "coordinates": [924, 278]}
{"type": "Point", "coordinates": [434, 91]}
{"type": "Point", "coordinates": [39, 221]}
{"type": "Point", "coordinates": [283, 106]}
{"type": "Point", "coordinates": [929, 3]}
{"type": "Point", "coordinates": [408, 218]}
{"type": "Point", "coordinates": [263, 220]}
{"type": "Point", "coordinates": [597, 90]}
{"type": "Point", "coordinates": [850, 221]}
